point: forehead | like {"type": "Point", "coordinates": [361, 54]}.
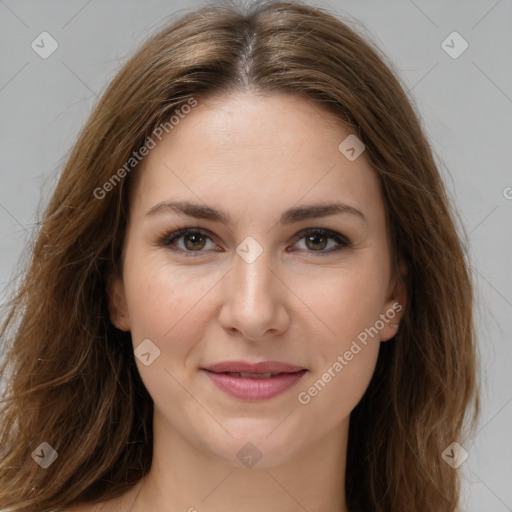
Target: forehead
{"type": "Point", "coordinates": [248, 150]}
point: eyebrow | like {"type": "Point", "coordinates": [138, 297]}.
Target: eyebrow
{"type": "Point", "coordinates": [297, 214]}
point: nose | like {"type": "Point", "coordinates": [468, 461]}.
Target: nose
{"type": "Point", "coordinates": [254, 300]}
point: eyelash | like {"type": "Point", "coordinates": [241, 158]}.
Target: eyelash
{"type": "Point", "coordinates": [168, 239]}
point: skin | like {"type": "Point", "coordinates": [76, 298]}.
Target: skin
{"type": "Point", "coordinates": [252, 156]}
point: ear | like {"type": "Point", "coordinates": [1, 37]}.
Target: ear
{"type": "Point", "coordinates": [394, 307]}
{"type": "Point", "coordinates": [117, 303]}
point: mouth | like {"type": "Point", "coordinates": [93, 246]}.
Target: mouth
{"type": "Point", "coordinates": [254, 381]}
{"type": "Point", "coordinates": [250, 375]}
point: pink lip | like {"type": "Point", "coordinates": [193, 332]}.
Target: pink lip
{"type": "Point", "coordinates": [246, 367]}
{"type": "Point", "coordinates": [248, 388]}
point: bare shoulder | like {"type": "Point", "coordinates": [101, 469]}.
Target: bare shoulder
{"type": "Point", "coordinates": [111, 505]}
{"type": "Point", "coordinates": [122, 503]}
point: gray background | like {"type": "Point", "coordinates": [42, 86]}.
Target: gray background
{"type": "Point", "coordinates": [465, 104]}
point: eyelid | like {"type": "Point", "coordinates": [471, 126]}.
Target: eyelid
{"type": "Point", "coordinates": [341, 240]}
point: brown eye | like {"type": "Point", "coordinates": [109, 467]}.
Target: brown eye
{"type": "Point", "coordinates": [316, 242]}
{"type": "Point", "coordinates": [322, 241]}
{"type": "Point", "coordinates": [194, 241]}
{"type": "Point", "coordinates": [188, 242]}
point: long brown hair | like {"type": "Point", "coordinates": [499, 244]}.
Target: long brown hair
{"type": "Point", "coordinates": [69, 375]}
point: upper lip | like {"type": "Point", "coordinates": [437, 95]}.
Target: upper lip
{"type": "Point", "coordinates": [246, 367]}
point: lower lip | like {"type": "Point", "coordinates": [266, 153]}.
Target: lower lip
{"type": "Point", "coordinates": [254, 389]}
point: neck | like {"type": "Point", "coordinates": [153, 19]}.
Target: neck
{"type": "Point", "coordinates": [188, 478]}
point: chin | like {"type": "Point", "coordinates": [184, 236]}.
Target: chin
{"type": "Point", "coordinates": [255, 448]}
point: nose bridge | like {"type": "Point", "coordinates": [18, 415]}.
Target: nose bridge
{"type": "Point", "coordinates": [251, 274]}
{"type": "Point", "coordinates": [253, 302]}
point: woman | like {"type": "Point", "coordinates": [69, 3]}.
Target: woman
{"type": "Point", "coordinates": [247, 292]}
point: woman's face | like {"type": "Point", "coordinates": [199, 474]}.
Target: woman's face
{"type": "Point", "coordinates": [278, 279]}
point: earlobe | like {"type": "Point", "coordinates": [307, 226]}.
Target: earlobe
{"type": "Point", "coordinates": [395, 305]}
{"type": "Point", "coordinates": [117, 303]}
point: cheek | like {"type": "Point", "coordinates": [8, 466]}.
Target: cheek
{"type": "Point", "coordinates": [347, 302]}
{"type": "Point", "coordinates": [165, 301]}
{"type": "Point", "coordinates": [164, 305]}
{"type": "Point", "coordinates": [334, 391]}
{"type": "Point", "coordinates": [348, 305]}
